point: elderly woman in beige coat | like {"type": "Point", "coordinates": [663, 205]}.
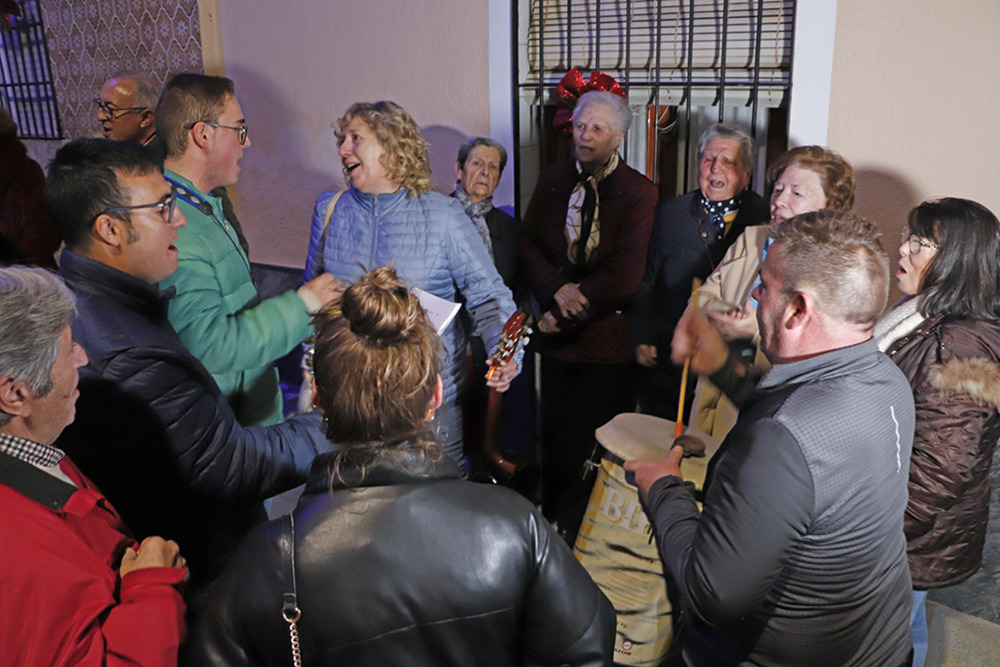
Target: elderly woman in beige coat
{"type": "Point", "coordinates": [804, 179]}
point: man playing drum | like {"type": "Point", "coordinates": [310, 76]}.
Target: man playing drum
{"type": "Point", "coordinates": [798, 556]}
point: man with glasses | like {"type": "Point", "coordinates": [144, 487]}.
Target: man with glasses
{"type": "Point", "coordinates": [125, 108]}
{"type": "Point", "coordinates": [216, 311]}
{"type": "Point", "coordinates": [152, 428]}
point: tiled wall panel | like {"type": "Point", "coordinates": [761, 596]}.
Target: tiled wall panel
{"type": "Point", "coordinates": [92, 39]}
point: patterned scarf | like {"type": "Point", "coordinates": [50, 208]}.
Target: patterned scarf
{"type": "Point", "coordinates": [478, 214]}
{"type": "Point", "coordinates": [583, 227]}
{"type": "Point", "coordinates": [718, 211]}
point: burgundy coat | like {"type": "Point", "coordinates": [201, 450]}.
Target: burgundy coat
{"type": "Point", "coordinates": [25, 224]}
{"type": "Point", "coordinates": [627, 203]}
{"type": "Point", "coordinates": [954, 370]}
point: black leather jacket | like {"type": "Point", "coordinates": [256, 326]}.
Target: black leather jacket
{"type": "Point", "coordinates": [413, 567]}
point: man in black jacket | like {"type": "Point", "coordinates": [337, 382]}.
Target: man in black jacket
{"type": "Point", "coordinates": [690, 236]}
{"type": "Point", "coordinates": [153, 429]}
{"type": "Point", "coordinates": [799, 555]}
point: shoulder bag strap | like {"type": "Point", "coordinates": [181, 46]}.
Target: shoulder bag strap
{"type": "Point", "coordinates": [318, 263]}
{"type": "Point", "coordinates": [289, 599]}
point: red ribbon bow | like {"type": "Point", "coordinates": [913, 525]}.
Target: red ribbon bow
{"type": "Point", "coordinates": [8, 8]}
{"type": "Point", "coordinates": [569, 90]}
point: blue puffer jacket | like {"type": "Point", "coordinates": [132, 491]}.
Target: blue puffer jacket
{"type": "Point", "coordinates": [155, 433]}
{"type": "Point", "coordinates": [433, 245]}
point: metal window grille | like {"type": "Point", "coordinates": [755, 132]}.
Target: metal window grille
{"type": "Point", "coordinates": [26, 81]}
{"type": "Point", "coordinates": [684, 65]}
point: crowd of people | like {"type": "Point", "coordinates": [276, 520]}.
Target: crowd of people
{"type": "Point", "coordinates": [142, 430]}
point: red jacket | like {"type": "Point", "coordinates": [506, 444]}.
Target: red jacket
{"type": "Point", "coordinates": [60, 601]}
{"type": "Point", "coordinates": [627, 202]}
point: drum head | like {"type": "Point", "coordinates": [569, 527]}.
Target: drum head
{"type": "Point", "coordinates": [644, 437]}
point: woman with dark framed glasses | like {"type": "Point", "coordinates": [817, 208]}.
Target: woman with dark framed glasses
{"type": "Point", "coordinates": [945, 336]}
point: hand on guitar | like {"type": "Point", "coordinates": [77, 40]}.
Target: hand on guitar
{"type": "Point", "coordinates": [506, 468]}
{"type": "Point", "coordinates": [502, 366]}
{"type": "Point", "coordinates": [502, 376]}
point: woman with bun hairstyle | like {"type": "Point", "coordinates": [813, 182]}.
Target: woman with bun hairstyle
{"type": "Point", "coordinates": [398, 560]}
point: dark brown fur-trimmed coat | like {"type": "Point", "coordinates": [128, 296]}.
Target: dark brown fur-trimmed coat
{"type": "Point", "coordinates": [954, 370]}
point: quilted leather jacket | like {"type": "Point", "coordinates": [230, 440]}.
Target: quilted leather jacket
{"type": "Point", "coordinates": [412, 567]}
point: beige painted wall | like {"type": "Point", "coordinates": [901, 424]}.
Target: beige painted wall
{"type": "Point", "coordinates": [913, 83]}
{"type": "Point", "coordinates": [914, 101]}
{"type": "Point", "coordinates": [297, 67]}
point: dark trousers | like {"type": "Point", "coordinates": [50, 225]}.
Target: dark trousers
{"type": "Point", "coordinates": [576, 399]}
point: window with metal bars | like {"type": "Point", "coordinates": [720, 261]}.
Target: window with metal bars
{"type": "Point", "coordinates": [684, 65]}
{"type": "Point", "coordinates": [26, 81]}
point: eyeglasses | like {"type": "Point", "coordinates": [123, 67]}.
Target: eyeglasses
{"type": "Point", "coordinates": [242, 129]}
{"type": "Point", "coordinates": [114, 113]}
{"type": "Point", "coordinates": [165, 208]}
{"type": "Point", "coordinates": [916, 243]}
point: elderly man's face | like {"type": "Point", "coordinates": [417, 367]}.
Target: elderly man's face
{"type": "Point", "coordinates": [721, 175]}
{"type": "Point", "coordinates": [53, 412]}
{"type": "Point", "coordinates": [120, 119]}
{"type": "Point", "coordinates": [595, 136]}
{"type": "Point", "coordinates": [480, 174]}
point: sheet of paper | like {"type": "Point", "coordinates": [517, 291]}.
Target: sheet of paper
{"type": "Point", "coordinates": [439, 311]}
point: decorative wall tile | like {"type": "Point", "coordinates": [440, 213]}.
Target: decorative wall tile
{"type": "Point", "coordinates": [90, 40]}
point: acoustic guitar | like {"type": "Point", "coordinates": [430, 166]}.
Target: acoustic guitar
{"type": "Point", "coordinates": [507, 468]}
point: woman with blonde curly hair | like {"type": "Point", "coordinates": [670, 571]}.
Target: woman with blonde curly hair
{"type": "Point", "coordinates": [380, 577]}
{"type": "Point", "coordinates": [390, 215]}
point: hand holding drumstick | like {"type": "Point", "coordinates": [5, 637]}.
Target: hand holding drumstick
{"type": "Point", "coordinates": [685, 445]}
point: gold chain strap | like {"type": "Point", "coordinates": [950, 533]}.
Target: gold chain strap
{"type": "Point", "coordinates": [293, 635]}
{"type": "Point", "coordinates": [290, 604]}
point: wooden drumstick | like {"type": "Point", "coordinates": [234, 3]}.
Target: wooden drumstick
{"type": "Point", "coordinates": [679, 428]}
{"type": "Point", "coordinates": [693, 446]}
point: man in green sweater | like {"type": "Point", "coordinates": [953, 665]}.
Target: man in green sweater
{"type": "Point", "coordinates": [216, 311]}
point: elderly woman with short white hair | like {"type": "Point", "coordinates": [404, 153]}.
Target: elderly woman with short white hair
{"type": "Point", "coordinates": [478, 168]}
{"type": "Point", "coordinates": [582, 247]}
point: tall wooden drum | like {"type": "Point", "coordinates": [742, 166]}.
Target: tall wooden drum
{"type": "Point", "coordinates": [615, 542]}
